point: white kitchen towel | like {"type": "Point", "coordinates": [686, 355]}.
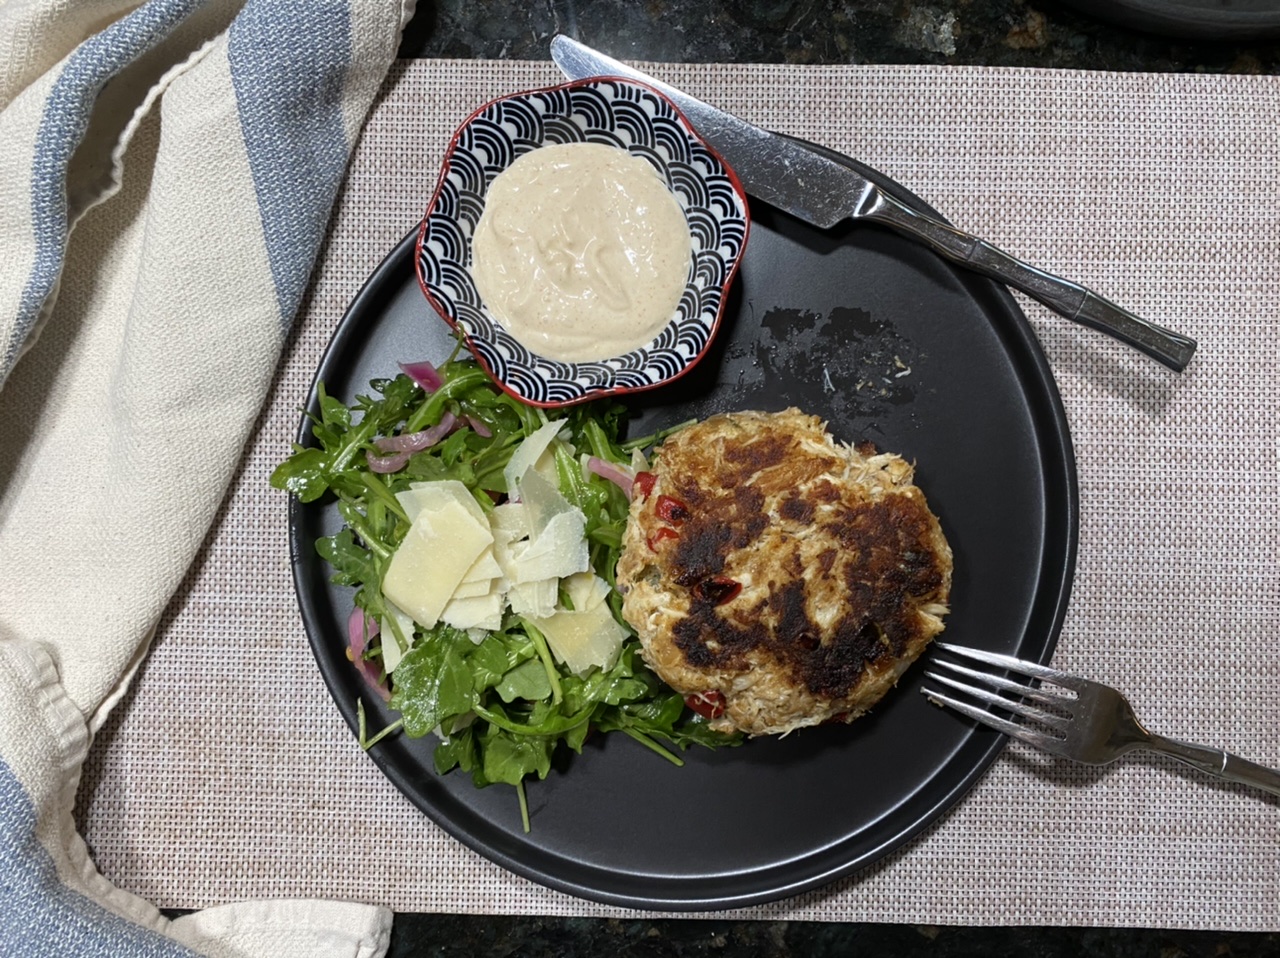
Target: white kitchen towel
{"type": "Point", "coordinates": [167, 171]}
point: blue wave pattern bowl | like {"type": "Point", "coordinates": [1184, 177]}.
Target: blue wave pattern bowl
{"type": "Point", "coordinates": [614, 112]}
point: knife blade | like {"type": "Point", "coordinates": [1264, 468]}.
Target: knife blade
{"type": "Point", "coordinates": [795, 177]}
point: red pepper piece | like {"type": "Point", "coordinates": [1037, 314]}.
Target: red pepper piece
{"type": "Point", "coordinates": [718, 589]}
{"type": "Point", "coordinates": [671, 509]}
{"type": "Point", "coordinates": [709, 704]}
{"type": "Point", "coordinates": [644, 484]}
{"type": "Point", "coordinates": [658, 536]}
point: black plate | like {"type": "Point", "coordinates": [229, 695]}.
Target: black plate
{"type": "Point", "coordinates": [890, 344]}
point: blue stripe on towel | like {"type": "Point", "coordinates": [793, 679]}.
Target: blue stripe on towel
{"type": "Point", "coordinates": [62, 127]}
{"type": "Point", "coordinates": [43, 918]}
{"type": "Point", "coordinates": [288, 72]}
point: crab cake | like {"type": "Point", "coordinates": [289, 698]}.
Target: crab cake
{"type": "Point", "coordinates": [779, 579]}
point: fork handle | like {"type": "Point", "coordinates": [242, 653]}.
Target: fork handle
{"type": "Point", "coordinates": [1218, 763]}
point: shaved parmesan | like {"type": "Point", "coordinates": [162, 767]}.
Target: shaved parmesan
{"type": "Point", "coordinates": [559, 551]}
{"type": "Point", "coordinates": [465, 567]}
{"type": "Point", "coordinates": [586, 590]}
{"type": "Point", "coordinates": [432, 496]}
{"type": "Point", "coordinates": [584, 640]}
{"type": "Point", "coordinates": [472, 590]}
{"type": "Point", "coordinates": [510, 517]}
{"type": "Point", "coordinates": [542, 538]}
{"type": "Point", "coordinates": [480, 612]}
{"type": "Point", "coordinates": [502, 552]}
{"type": "Point", "coordinates": [484, 568]}
{"type": "Point", "coordinates": [536, 599]}
{"type": "Point", "coordinates": [397, 636]}
{"type": "Point", "coordinates": [409, 503]}
{"type": "Point", "coordinates": [437, 552]}
{"type": "Point", "coordinates": [533, 454]}
{"type": "Point", "coordinates": [542, 502]}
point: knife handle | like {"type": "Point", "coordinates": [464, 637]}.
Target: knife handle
{"type": "Point", "coordinates": [1075, 302]}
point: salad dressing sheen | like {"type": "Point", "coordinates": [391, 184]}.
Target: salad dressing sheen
{"type": "Point", "coordinates": [581, 253]}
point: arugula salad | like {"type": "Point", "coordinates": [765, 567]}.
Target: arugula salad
{"type": "Point", "coordinates": [480, 538]}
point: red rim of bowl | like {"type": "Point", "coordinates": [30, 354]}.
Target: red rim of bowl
{"type": "Point", "coordinates": [593, 392]}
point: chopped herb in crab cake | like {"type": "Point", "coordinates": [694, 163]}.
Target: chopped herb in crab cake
{"type": "Point", "coordinates": [777, 578]}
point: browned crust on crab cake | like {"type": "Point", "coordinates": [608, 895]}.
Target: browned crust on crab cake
{"type": "Point", "coordinates": [844, 571]}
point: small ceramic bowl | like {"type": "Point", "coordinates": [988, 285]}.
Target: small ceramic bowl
{"type": "Point", "coordinates": [618, 113]}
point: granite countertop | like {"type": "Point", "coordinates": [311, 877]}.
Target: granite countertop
{"type": "Point", "coordinates": [473, 936]}
{"type": "Point", "coordinates": [1019, 33]}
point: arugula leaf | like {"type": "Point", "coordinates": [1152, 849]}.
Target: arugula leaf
{"type": "Point", "coordinates": [543, 720]}
{"type": "Point", "coordinates": [657, 714]}
{"type": "Point", "coordinates": [457, 751]}
{"type": "Point", "coordinates": [333, 413]}
{"type": "Point", "coordinates": [305, 474]}
{"type": "Point", "coordinates": [353, 564]}
{"type": "Point", "coordinates": [526, 681]}
{"type": "Point", "coordinates": [432, 681]}
{"type": "Point", "coordinates": [577, 736]}
{"type": "Point", "coordinates": [497, 655]}
{"type": "Point", "coordinates": [614, 687]}
{"type": "Point", "coordinates": [510, 758]}
{"type": "Point", "coordinates": [696, 731]}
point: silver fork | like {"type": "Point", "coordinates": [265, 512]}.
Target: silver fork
{"type": "Point", "coordinates": [1086, 721]}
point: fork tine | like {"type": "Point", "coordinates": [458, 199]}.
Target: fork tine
{"type": "Point", "coordinates": [1029, 712]}
{"type": "Point", "coordinates": [1022, 667]}
{"type": "Point", "coordinates": [1023, 734]}
{"type": "Point", "coordinates": [1006, 685]}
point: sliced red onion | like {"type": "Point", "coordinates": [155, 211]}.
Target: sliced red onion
{"type": "Point", "coordinates": [424, 374]}
{"type": "Point", "coordinates": [385, 464]}
{"type": "Point", "coordinates": [418, 441]}
{"type": "Point", "coordinates": [360, 629]}
{"type": "Point", "coordinates": [614, 473]}
{"type": "Point", "coordinates": [480, 428]}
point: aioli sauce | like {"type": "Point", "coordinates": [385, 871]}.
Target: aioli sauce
{"type": "Point", "coordinates": [582, 253]}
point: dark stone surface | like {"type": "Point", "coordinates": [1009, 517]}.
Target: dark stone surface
{"type": "Point", "coordinates": [1024, 33]}
{"type": "Point", "coordinates": [454, 936]}
{"type": "Point", "coordinates": [504, 936]}
{"type": "Point", "coordinates": [1039, 33]}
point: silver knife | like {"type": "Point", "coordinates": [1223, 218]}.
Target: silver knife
{"type": "Point", "coordinates": [787, 173]}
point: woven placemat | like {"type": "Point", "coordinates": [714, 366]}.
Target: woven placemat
{"type": "Point", "coordinates": [227, 772]}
